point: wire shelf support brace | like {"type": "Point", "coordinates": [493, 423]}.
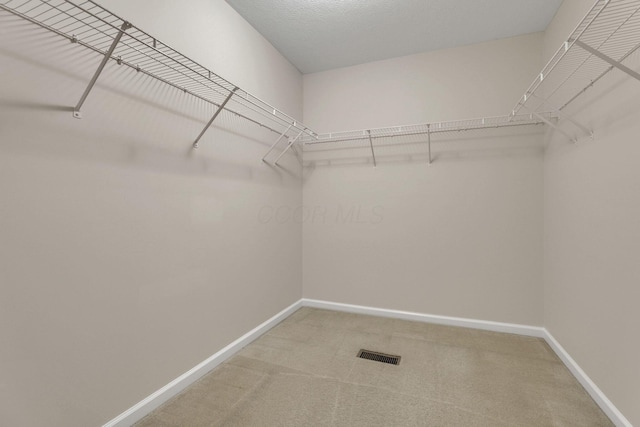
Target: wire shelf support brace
{"type": "Point", "coordinates": [373, 153]}
{"type": "Point", "coordinates": [611, 61]}
{"type": "Point", "coordinates": [92, 26]}
{"type": "Point", "coordinates": [607, 35]}
{"type": "Point", "coordinates": [600, 43]}
{"type": "Point", "coordinates": [291, 142]}
{"type": "Point", "coordinates": [609, 30]}
{"type": "Point", "coordinates": [282, 135]}
{"type": "Point", "coordinates": [76, 111]}
{"type": "Point", "coordinates": [220, 108]}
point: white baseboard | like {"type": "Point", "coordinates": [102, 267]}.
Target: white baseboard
{"type": "Point", "coordinates": [533, 331]}
{"type": "Point", "coordinates": [144, 407]}
{"type": "Point", "coordinates": [151, 402]}
{"type": "Point", "coordinates": [594, 391]}
{"type": "Point", "coordinates": [512, 328]}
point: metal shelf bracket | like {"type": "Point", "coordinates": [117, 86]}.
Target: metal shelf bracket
{"type": "Point", "coordinates": [565, 116]}
{"type": "Point", "coordinates": [608, 59]}
{"type": "Point", "coordinates": [553, 125]}
{"type": "Point", "coordinates": [289, 146]}
{"type": "Point", "coordinates": [429, 141]}
{"type": "Point", "coordinates": [215, 115]}
{"type": "Point", "coordinates": [76, 111]}
{"type": "Point", "coordinates": [373, 154]}
{"type": "Point", "coordinates": [277, 141]}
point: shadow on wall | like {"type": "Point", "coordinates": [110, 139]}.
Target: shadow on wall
{"type": "Point", "coordinates": [130, 119]}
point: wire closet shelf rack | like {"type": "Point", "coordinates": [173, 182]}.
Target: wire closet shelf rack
{"type": "Point", "coordinates": [606, 36]}
{"type": "Point", "coordinates": [90, 25]}
{"type": "Point", "coordinates": [602, 41]}
{"type": "Point", "coordinates": [427, 130]}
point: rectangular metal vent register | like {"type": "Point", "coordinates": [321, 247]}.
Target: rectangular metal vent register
{"type": "Point", "coordinates": [379, 357]}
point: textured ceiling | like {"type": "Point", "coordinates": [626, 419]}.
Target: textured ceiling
{"type": "Point", "coordinates": [317, 35]}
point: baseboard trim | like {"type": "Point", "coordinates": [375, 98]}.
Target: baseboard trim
{"type": "Point", "coordinates": [533, 331]}
{"type": "Point", "coordinates": [151, 402]}
{"type": "Point", "coordinates": [594, 391]}
{"type": "Point", "coordinates": [144, 407]}
{"type": "Point", "coordinates": [487, 325]}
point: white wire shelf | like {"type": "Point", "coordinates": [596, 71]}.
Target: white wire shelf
{"type": "Point", "coordinates": [602, 41]}
{"type": "Point", "coordinates": [606, 36]}
{"type": "Point", "coordinates": [429, 128]}
{"type": "Point", "coordinates": [94, 27]}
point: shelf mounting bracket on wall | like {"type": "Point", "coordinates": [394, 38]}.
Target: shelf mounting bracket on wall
{"type": "Point", "coordinates": [564, 116]}
{"type": "Point", "coordinates": [429, 141]}
{"type": "Point", "coordinates": [289, 146]}
{"type": "Point", "coordinates": [76, 111]}
{"type": "Point", "coordinates": [220, 108]}
{"type": "Point", "coordinates": [551, 124]}
{"type": "Point", "coordinates": [373, 154]}
{"type": "Point", "coordinates": [277, 141]}
{"type": "Point", "coordinates": [607, 59]}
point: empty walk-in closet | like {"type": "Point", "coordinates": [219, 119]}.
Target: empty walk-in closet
{"type": "Point", "coordinates": [319, 213]}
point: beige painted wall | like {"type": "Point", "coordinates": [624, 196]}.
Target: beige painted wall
{"type": "Point", "coordinates": [443, 85]}
{"type": "Point", "coordinates": [462, 237]}
{"type": "Point", "coordinates": [592, 230]}
{"type": "Point", "coordinates": [126, 258]}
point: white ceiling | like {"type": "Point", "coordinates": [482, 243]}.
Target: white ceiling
{"type": "Point", "coordinates": [317, 35]}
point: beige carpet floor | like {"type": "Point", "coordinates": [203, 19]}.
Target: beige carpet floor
{"type": "Point", "coordinates": [304, 372]}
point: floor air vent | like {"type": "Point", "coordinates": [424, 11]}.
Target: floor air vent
{"type": "Point", "coordinates": [379, 357]}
